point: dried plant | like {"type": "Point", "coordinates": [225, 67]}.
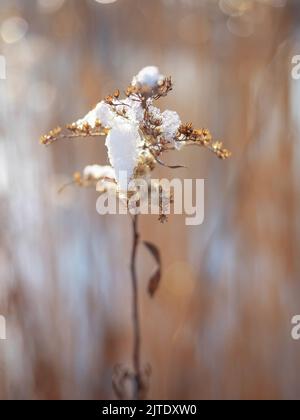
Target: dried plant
{"type": "Point", "coordinates": [137, 134]}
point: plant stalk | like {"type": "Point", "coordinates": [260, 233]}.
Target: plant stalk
{"type": "Point", "coordinates": [138, 385]}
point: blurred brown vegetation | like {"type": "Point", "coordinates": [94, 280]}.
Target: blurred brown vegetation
{"type": "Point", "coordinates": [220, 324]}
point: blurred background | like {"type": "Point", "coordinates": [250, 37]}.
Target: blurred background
{"type": "Point", "coordinates": [220, 324]}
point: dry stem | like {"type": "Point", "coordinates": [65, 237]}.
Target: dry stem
{"type": "Point", "coordinates": [138, 385]}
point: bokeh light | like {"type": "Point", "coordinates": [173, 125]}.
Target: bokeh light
{"type": "Point", "coordinates": [13, 29]}
{"type": "Point", "coordinates": [219, 327]}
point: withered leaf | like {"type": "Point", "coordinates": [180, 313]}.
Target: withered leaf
{"type": "Point", "coordinates": [156, 276]}
{"type": "Point", "coordinates": [168, 166]}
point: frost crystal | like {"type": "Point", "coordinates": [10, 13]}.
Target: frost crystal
{"type": "Point", "coordinates": [123, 141]}
{"type": "Point", "coordinates": [155, 112]}
{"type": "Point", "coordinates": [90, 119]}
{"type": "Point", "coordinates": [123, 144]}
{"type": "Point", "coordinates": [170, 124]}
{"type": "Point", "coordinates": [149, 77]}
{"type": "Point", "coordinates": [102, 112]}
{"type": "Point", "coordinates": [97, 171]}
{"type": "Point", "coordinates": [132, 109]}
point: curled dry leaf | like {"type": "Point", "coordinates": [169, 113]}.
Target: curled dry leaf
{"type": "Point", "coordinates": [168, 166]}
{"type": "Point", "coordinates": [121, 376]}
{"type": "Point", "coordinates": [156, 276]}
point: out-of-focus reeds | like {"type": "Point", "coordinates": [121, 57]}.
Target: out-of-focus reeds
{"type": "Point", "coordinates": [220, 324]}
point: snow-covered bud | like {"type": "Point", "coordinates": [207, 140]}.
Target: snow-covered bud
{"type": "Point", "coordinates": [148, 78]}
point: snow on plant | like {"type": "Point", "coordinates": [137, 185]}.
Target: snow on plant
{"type": "Point", "coordinates": [137, 135]}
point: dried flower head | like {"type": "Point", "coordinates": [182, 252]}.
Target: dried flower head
{"type": "Point", "coordinates": [137, 132]}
